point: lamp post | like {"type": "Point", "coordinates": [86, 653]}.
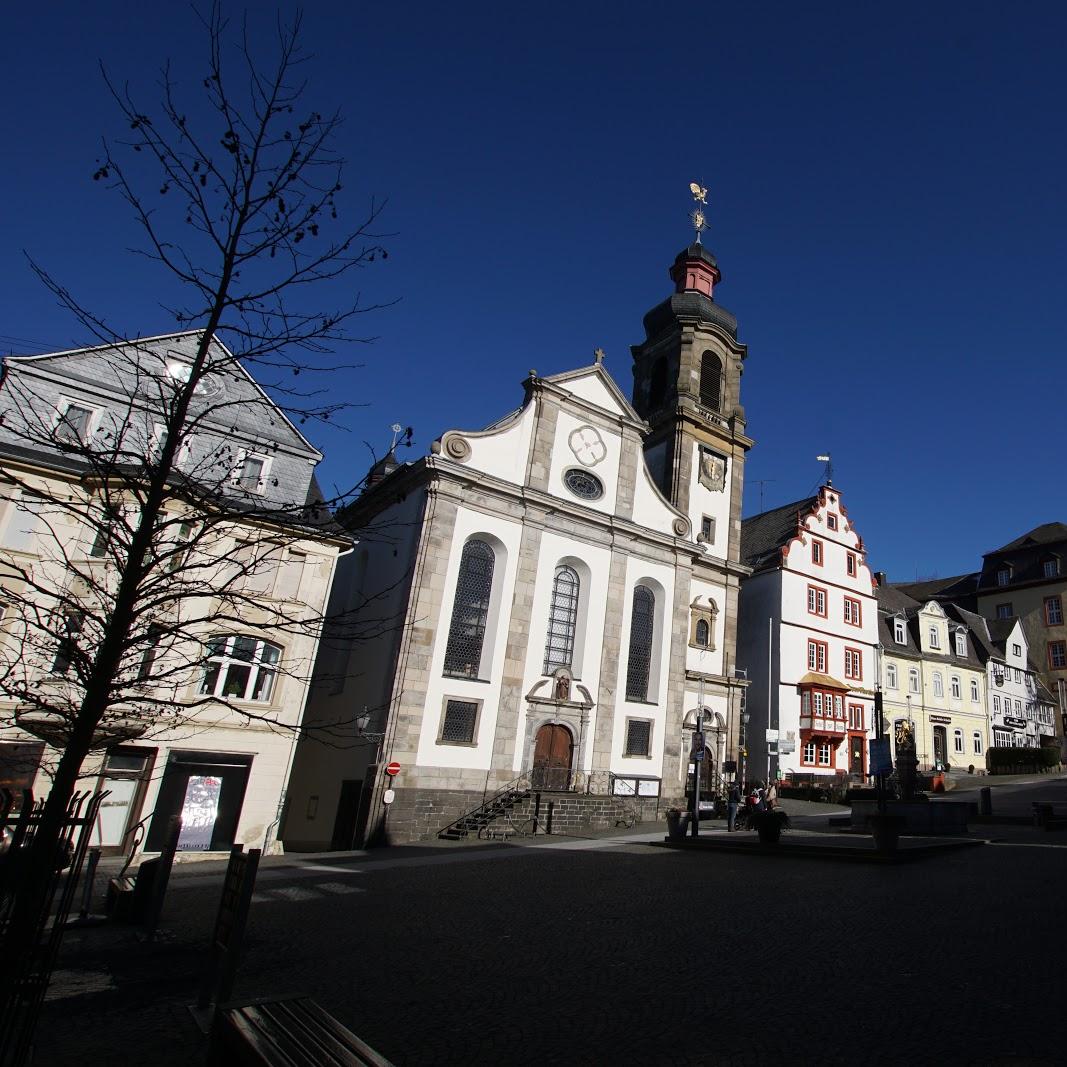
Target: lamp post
{"type": "Point", "coordinates": [879, 726]}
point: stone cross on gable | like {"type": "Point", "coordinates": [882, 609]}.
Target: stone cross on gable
{"type": "Point", "coordinates": [598, 355]}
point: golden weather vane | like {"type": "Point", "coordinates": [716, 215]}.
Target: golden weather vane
{"type": "Point", "coordinates": [697, 217]}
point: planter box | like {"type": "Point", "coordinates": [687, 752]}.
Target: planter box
{"type": "Point", "coordinates": [920, 817]}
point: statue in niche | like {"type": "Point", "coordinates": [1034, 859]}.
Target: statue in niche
{"type": "Point", "coordinates": [712, 474]}
{"type": "Point", "coordinates": [563, 686]}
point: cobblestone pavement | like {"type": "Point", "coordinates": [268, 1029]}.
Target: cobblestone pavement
{"type": "Point", "coordinates": [608, 951]}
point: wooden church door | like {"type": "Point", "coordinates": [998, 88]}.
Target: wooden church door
{"type": "Point", "coordinates": [553, 752]}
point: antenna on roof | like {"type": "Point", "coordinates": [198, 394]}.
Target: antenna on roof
{"type": "Point", "coordinates": [761, 482]}
{"type": "Point", "coordinates": [829, 468]}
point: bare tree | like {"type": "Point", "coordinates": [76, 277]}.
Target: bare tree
{"type": "Point", "coordinates": [143, 532]}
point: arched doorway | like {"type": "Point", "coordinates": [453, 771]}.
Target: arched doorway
{"type": "Point", "coordinates": [553, 754]}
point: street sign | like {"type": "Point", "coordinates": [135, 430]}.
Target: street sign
{"type": "Point", "coordinates": [881, 760]}
{"type": "Point", "coordinates": [772, 735]}
{"type": "Point", "coordinates": [786, 748]}
{"type": "Point", "coordinates": [698, 740]}
{"type": "Point", "coordinates": [698, 755]}
{"type": "Point", "coordinates": [393, 769]}
{"type": "Point", "coordinates": [388, 796]}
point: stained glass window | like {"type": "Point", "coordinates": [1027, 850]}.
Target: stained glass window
{"type": "Point", "coordinates": [466, 634]}
{"type": "Point", "coordinates": [582, 483]}
{"type": "Point", "coordinates": [562, 619]}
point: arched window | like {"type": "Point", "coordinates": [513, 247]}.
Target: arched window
{"type": "Point", "coordinates": [703, 633]}
{"type": "Point", "coordinates": [710, 380]}
{"type": "Point", "coordinates": [241, 668]}
{"type": "Point", "coordinates": [466, 633]}
{"type": "Point", "coordinates": [657, 385]}
{"type": "Point", "coordinates": [562, 619]}
{"type": "Point", "coordinates": [642, 621]}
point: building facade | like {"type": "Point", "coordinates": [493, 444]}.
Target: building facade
{"type": "Point", "coordinates": [233, 688]}
{"type": "Point", "coordinates": [565, 587]}
{"type": "Point", "coordinates": [809, 626]}
{"type": "Point", "coordinates": [1027, 579]}
{"type": "Point", "coordinates": [1020, 709]}
{"type": "Point", "coordinates": [933, 677]}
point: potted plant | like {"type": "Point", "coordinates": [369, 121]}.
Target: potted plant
{"type": "Point", "coordinates": [769, 825]}
{"type": "Point", "coordinates": [677, 823]}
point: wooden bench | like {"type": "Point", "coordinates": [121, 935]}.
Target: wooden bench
{"type": "Point", "coordinates": [292, 1032]}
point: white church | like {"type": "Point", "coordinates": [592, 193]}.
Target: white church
{"type": "Point", "coordinates": [547, 604]}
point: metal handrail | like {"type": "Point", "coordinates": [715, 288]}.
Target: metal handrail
{"type": "Point", "coordinates": [516, 786]}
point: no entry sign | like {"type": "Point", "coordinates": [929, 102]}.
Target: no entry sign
{"type": "Point", "coordinates": [393, 769]}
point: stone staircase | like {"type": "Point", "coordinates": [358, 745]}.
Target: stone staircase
{"type": "Point", "coordinates": [476, 820]}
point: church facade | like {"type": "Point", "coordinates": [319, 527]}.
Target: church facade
{"type": "Point", "coordinates": [557, 595]}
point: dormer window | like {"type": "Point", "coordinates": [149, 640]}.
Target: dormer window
{"type": "Point", "coordinates": [899, 632]}
{"type": "Point", "coordinates": [961, 644]}
{"type": "Point", "coordinates": [1050, 567]}
{"type": "Point", "coordinates": [935, 637]}
{"type": "Point", "coordinates": [250, 473]}
{"type": "Point", "coordinates": [1003, 575]}
{"type": "Point", "coordinates": [72, 427]}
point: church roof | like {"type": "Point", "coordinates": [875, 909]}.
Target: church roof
{"type": "Point", "coordinates": [763, 535]}
{"type": "Point", "coordinates": [689, 305]}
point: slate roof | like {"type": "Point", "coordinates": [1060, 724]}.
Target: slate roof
{"type": "Point", "coordinates": [956, 588]}
{"type": "Point", "coordinates": [892, 602]}
{"type": "Point", "coordinates": [1048, 533]}
{"type": "Point", "coordinates": [764, 534]}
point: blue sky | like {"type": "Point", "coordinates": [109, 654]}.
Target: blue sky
{"type": "Point", "coordinates": [886, 204]}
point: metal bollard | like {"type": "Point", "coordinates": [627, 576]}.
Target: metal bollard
{"type": "Point", "coordinates": [985, 801]}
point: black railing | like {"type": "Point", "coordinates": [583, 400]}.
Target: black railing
{"type": "Point", "coordinates": [31, 931]}
{"type": "Point", "coordinates": [549, 779]}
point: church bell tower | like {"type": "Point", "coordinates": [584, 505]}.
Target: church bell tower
{"type": "Point", "coordinates": [687, 386]}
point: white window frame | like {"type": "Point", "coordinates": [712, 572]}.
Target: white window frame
{"type": "Point", "coordinates": [243, 455]}
{"type": "Point", "coordinates": [900, 633]}
{"type": "Point", "coordinates": [955, 688]}
{"type": "Point", "coordinates": [975, 695]}
{"type": "Point", "coordinates": [64, 405]}
{"type": "Point", "coordinates": [976, 742]}
{"type": "Point", "coordinates": [220, 662]}
{"type": "Point", "coordinates": [1003, 576]}
{"type": "Point", "coordinates": [961, 644]}
{"type": "Point", "coordinates": [939, 684]}
{"type": "Point", "coordinates": [935, 637]}
{"type": "Point", "coordinates": [957, 741]}
{"type": "Point", "coordinates": [891, 676]}
{"type": "Point", "coordinates": [913, 679]}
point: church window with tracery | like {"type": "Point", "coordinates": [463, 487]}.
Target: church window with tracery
{"type": "Point", "coordinates": [562, 619]}
{"type": "Point", "coordinates": [470, 611]}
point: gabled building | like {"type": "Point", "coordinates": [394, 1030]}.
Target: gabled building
{"type": "Point", "coordinates": [1027, 579]}
{"type": "Point", "coordinates": [1020, 709]}
{"type": "Point", "coordinates": [809, 626]}
{"type": "Point", "coordinates": [934, 678]}
{"type": "Point", "coordinates": [67, 417]}
{"type": "Point", "coordinates": [564, 585]}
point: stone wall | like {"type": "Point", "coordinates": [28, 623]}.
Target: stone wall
{"type": "Point", "coordinates": [420, 814]}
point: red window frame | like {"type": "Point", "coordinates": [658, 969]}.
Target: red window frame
{"type": "Point", "coordinates": [1049, 601]}
{"type": "Point", "coordinates": [855, 717]}
{"type": "Point", "coordinates": [818, 552]}
{"type": "Point", "coordinates": [831, 521]}
{"type": "Point", "coordinates": [857, 611]}
{"type": "Point", "coordinates": [857, 661]}
{"type": "Point", "coordinates": [817, 589]}
{"type": "Point", "coordinates": [818, 646]}
{"type": "Point", "coordinates": [1061, 648]}
{"type": "Point", "coordinates": [851, 564]}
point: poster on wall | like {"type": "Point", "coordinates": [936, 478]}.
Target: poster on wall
{"type": "Point", "coordinates": [198, 812]}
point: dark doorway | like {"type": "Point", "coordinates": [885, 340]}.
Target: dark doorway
{"type": "Point", "coordinates": [18, 766]}
{"type": "Point", "coordinates": [553, 752]}
{"type": "Point", "coordinates": [347, 819]}
{"type": "Point", "coordinates": [207, 789]}
{"type": "Point", "coordinates": [940, 747]}
{"type": "Point", "coordinates": [855, 755]}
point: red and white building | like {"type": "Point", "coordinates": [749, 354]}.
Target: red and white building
{"type": "Point", "coordinates": [807, 635]}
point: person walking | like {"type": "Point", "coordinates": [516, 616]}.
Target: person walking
{"type": "Point", "coordinates": [733, 798]}
{"type": "Point", "coordinates": [770, 797]}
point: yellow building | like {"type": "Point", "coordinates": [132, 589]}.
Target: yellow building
{"type": "Point", "coordinates": [933, 675]}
